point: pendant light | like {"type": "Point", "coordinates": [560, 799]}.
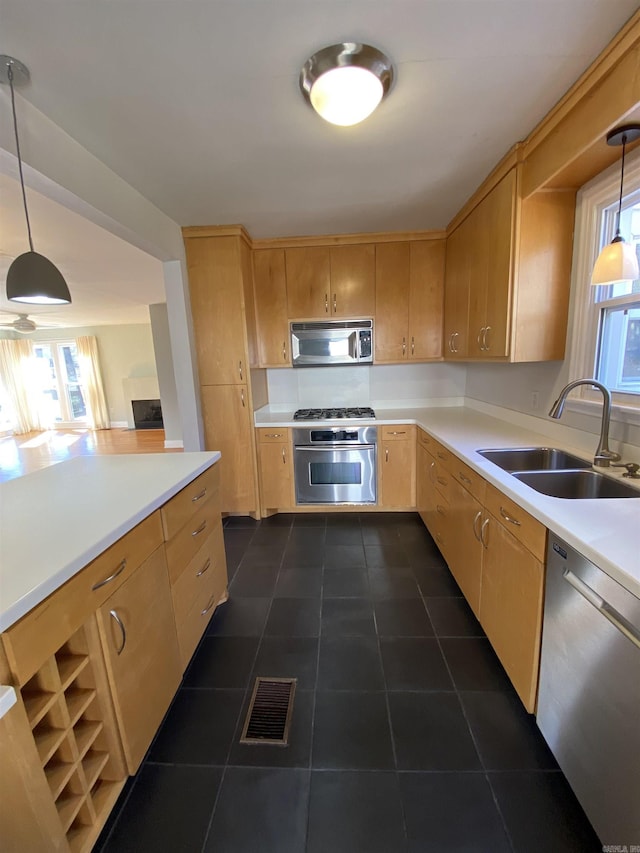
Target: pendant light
{"type": "Point", "coordinates": [31, 278]}
{"type": "Point", "coordinates": [344, 83]}
{"type": "Point", "coordinates": [618, 260]}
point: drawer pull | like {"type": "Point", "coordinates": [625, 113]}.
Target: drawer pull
{"type": "Point", "coordinates": [440, 510]}
{"type": "Point", "coordinates": [117, 572]}
{"type": "Point", "coordinates": [398, 432]}
{"type": "Point", "coordinates": [120, 624]}
{"type": "Point", "coordinates": [509, 518]}
{"type": "Point", "coordinates": [209, 605]}
{"type": "Point", "coordinates": [464, 479]}
{"type": "Point", "coordinates": [200, 529]}
{"type": "Point", "coordinates": [485, 524]}
{"type": "Point", "coordinates": [240, 370]}
{"type": "Point", "coordinates": [431, 470]}
{"type": "Point", "coordinates": [201, 495]}
{"type": "Point", "coordinates": [476, 519]}
{"type": "Point", "coordinates": [273, 435]}
{"type": "Point", "coordinates": [204, 569]}
{"type": "Point", "coordinates": [386, 455]}
{"type": "Point", "coordinates": [441, 480]}
{"type": "Point", "coordinates": [441, 455]}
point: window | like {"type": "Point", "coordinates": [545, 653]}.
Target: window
{"type": "Point", "coordinates": [606, 328]}
{"type": "Point", "coordinates": [62, 398]}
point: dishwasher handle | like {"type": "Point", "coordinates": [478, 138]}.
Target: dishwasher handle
{"type": "Point", "coordinates": [617, 619]}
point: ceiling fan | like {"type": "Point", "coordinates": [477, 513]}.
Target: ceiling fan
{"type": "Point", "coordinates": [24, 324]}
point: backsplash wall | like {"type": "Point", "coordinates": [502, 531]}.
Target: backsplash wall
{"type": "Point", "coordinates": [407, 385]}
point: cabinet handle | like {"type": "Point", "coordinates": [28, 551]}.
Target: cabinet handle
{"type": "Point", "coordinates": [201, 495]}
{"type": "Point", "coordinates": [455, 345]}
{"type": "Point", "coordinates": [273, 435]}
{"type": "Point", "coordinates": [479, 338]}
{"type": "Point", "coordinates": [485, 525]}
{"type": "Point", "coordinates": [398, 432]}
{"type": "Point", "coordinates": [386, 455]}
{"type": "Point", "coordinates": [120, 624]}
{"type": "Point", "coordinates": [117, 572]}
{"type": "Point", "coordinates": [335, 304]}
{"type": "Point", "coordinates": [240, 369]}
{"type": "Point", "coordinates": [284, 350]}
{"type": "Point", "coordinates": [440, 454]}
{"type": "Point", "coordinates": [440, 510]}
{"type": "Point", "coordinates": [431, 469]}
{"type": "Point", "coordinates": [451, 349]}
{"type": "Point", "coordinates": [404, 346]}
{"type": "Point", "coordinates": [487, 329]}
{"type": "Point", "coordinates": [326, 303]}
{"type": "Point", "coordinates": [204, 569]}
{"type": "Point", "coordinates": [209, 605]}
{"type": "Point", "coordinates": [413, 345]}
{"type": "Point", "coordinates": [464, 479]}
{"type": "Point", "coordinates": [199, 530]}
{"type": "Point", "coordinates": [509, 518]}
{"type": "Point", "coordinates": [442, 481]}
{"type": "Point", "coordinates": [477, 518]}
{"type": "Point", "coordinates": [242, 397]}
{"type": "Point", "coordinates": [284, 458]}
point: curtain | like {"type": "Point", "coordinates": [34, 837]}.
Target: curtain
{"type": "Point", "coordinates": [96, 402]}
{"type": "Point", "coordinates": [17, 369]}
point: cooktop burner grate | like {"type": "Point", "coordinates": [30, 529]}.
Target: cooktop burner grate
{"type": "Point", "coordinates": [355, 412]}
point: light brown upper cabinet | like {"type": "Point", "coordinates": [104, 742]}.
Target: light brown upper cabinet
{"type": "Point", "coordinates": [409, 301]}
{"type": "Point", "coordinates": [330, 281]}
{"type": "Point", "coordinates": [508, 266]}
{"type": "Point", "coordinates": [271, 308]}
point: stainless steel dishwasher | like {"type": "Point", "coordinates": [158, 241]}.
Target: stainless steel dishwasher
{"type": "Point", "coordinates": [589, 697]}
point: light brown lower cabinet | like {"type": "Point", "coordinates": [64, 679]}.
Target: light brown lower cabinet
{"type": "Point", "coordinates": [275, 461]}
{"type": "Point", "coordinates": [495, 551]}
{"type": "Point", "coordinates": [141, 652]}
{"type": "Point", "coordinates": [397, 466]}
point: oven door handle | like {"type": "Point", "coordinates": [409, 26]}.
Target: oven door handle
{"type": "Point", "coordinates": [334, 447]}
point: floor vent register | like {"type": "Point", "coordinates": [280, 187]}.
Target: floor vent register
{"type": "Point", "coordinates": [269, 715]}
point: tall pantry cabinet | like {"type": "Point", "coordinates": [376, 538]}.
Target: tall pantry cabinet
{"type": "Point", "coordinates": [222, 306]}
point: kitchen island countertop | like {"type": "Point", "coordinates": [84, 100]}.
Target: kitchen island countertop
{"type": "Point", "coordinates": [603, 530]}
{"type": "Point", "coordinates": [56, 520]}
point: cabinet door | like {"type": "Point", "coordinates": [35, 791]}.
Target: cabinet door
{"type": "Point", "coordinates": [276, 475]}
{"type": "Point", "coordinates": [228, 428]}
{"type": "Point", "coordinates": [511, 607]}
{"type": "Point", "coordinates": [353, 289]}
{"type": "Point", "coordinates": [271, 308]}
{"type": "Point", "coordinates": [500, 226]}
{"type": "Point", "coordinates": [456, 295]}
{"type": "Point", "coordinates": [426, 298]}
{"type": "Point", "coordinates": [141, 652]}
{"type": "Point", "coordinates": [465, 558]}
{"type": "Point", "coordinates": [397, 467]}
{"type": "Point", "coordinates": [308, 271]}
{"type": "Point", "coordinates": [217, 307]}
{"type": "Point", "coordinates": [392, 302]}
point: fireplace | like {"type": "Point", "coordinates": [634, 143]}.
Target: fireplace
{"type": "Point", "coordinates": [147, 414]}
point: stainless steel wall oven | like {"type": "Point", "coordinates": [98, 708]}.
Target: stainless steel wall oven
{"type": "Point", "coordinates": [335, 465]}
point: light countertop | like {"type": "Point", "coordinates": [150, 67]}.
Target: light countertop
{"type": "Point", "coordinates": [56, 520]}
{"type": "Point", "coordinates": [603, 530]}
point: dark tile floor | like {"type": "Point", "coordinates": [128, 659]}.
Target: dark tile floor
{"type": "Point", "coordinates": [406, 733]}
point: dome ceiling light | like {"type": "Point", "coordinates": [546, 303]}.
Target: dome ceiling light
{"type": "Point", "coordinates": [344, 83]}
{"type": "Point", "coordinates": [31, 278]}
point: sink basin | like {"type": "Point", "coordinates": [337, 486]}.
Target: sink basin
{"type": "Point", "coordinates": [576, 484]}
{"type": "Point", "coordinates": [532, 459]}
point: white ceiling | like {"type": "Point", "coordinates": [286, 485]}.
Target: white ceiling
{"type": "Point", "coordinates": [195, 103]}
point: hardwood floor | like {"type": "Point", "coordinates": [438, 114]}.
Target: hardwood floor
{"type": "Point", "coordinates": [22, 454]}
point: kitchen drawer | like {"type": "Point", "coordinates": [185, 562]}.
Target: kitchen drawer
{"type": "Point", "coordinates": [434, 447]}
{"type": "Point", "coordinates": [440, 526]}
{"type": "Point", "coordinates": [183, 506]}
{"type": "Point", "coordinates": [184, 545]}
{"type": "Point", "coordinates": [277, 435]}
{"type": "Point", "coordinates": [440, 478]}
{"type": "Point", "coordinates": [473, 482]}
{"type": "Point", "coordinates": [396, 433]}
{"type": "Point", "coordinates": [43, 630]}
{"type": "Point", "coordinates": [526, 529]}
{"type": "Point", "coordinates": [426, 440]}
{"type": "Point", "coordinates": [199, 573]}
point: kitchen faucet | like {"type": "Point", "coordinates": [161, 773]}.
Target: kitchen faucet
{"type": "Point", "coordinates": [604, 457]}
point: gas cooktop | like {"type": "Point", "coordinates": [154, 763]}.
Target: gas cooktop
{"type": "Point", "coordinates": [358, 412]}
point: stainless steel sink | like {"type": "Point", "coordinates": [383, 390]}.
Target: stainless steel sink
{"type": "Point", "coordinates": [576, 485]}
{"type": "Point", "coordinates": [532, 459]}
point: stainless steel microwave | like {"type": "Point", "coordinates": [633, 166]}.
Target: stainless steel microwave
{"type": "Point", "coordinates": [332, 342]}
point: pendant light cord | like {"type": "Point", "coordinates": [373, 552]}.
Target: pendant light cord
{"type": "Point", "coordinates": [624, 145]}
{"type": "Point", "coordinates": [15, 128]}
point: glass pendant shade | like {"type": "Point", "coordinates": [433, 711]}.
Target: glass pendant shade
{"type": "Point", "coordinates": [33, 279]}
{"type": "Point", "coordinates": [616, 262]}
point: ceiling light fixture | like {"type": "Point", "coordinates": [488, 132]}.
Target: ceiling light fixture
{"type": "Point", "coordinates": [618, 260]}
{"type": "Point", "coordinates": [344, 83]}
{"type": "Point", "coordinates": [31, 278]}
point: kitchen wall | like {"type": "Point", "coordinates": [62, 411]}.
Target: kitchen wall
{"type": "Point", "coordinates": [166, 377]}
{"type": "Point", "coordinates": [125, 352]}
{"type": "Point", "coordinates": [383, 385]}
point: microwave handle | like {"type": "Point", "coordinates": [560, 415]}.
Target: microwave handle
{"type": "Point", "coordinates": [357, 354]}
